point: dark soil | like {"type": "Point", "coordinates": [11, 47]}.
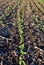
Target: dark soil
{"type": "Point", "coordinates": [33, 36]}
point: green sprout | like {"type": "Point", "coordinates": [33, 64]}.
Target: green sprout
{"type": "Point", "coordinates": [20, 26]}
{"type": "Point", "coordinates": [41, 26]}
{"type": "Point", "coordinates": [21, 62]}
{"type": "Point", "coordinates": [22, 52]}
{"type": "Point", "coordinates": [21, 47]}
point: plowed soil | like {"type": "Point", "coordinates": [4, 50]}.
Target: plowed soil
{"type": "Point", "coordinates": [9, 32]}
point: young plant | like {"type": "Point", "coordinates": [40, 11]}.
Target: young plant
{"type": "Point", "coordinates": [41, 26]}
{"type": "Point", "coordinates": [21, 62]}
{"type": "Point", "coordinates": [20, 21]}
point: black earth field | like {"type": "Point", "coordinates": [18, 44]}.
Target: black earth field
{"type": "Point", "coordinates": [21, 32]}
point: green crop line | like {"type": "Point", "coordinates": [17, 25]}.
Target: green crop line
{"type": "Point", "coordinates": [8, 11]}
{"type": "Point", "coordinates": [7, 5]}
{"type": "Point", "coordinates": [39, 22]}
{"type": "Point", "coordinates": [20, 21]}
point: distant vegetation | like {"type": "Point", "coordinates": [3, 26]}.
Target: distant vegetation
{"type": "Point", "coordinates": [42, 1]}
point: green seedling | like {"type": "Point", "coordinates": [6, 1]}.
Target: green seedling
{"type": "Point", "coordinates": [21, 46]}
{"type": "Point", "coordinates": [39, 24]}
{"type": "Point", "coordinates": [21, 31]}
{"type": "Point", "coordinates": [22, 52]}
{"type": "Point", "coordinates": [20, 26]}
{"type": "Point", "coordinates": [21, 62]}
{"type": "Point", "coordinates": [21, 40]}
{"type": "Point", "coordinates": [36, 20]}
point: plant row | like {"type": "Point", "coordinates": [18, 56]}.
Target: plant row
{"type": "Point", "coordinates": [20, 26]}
